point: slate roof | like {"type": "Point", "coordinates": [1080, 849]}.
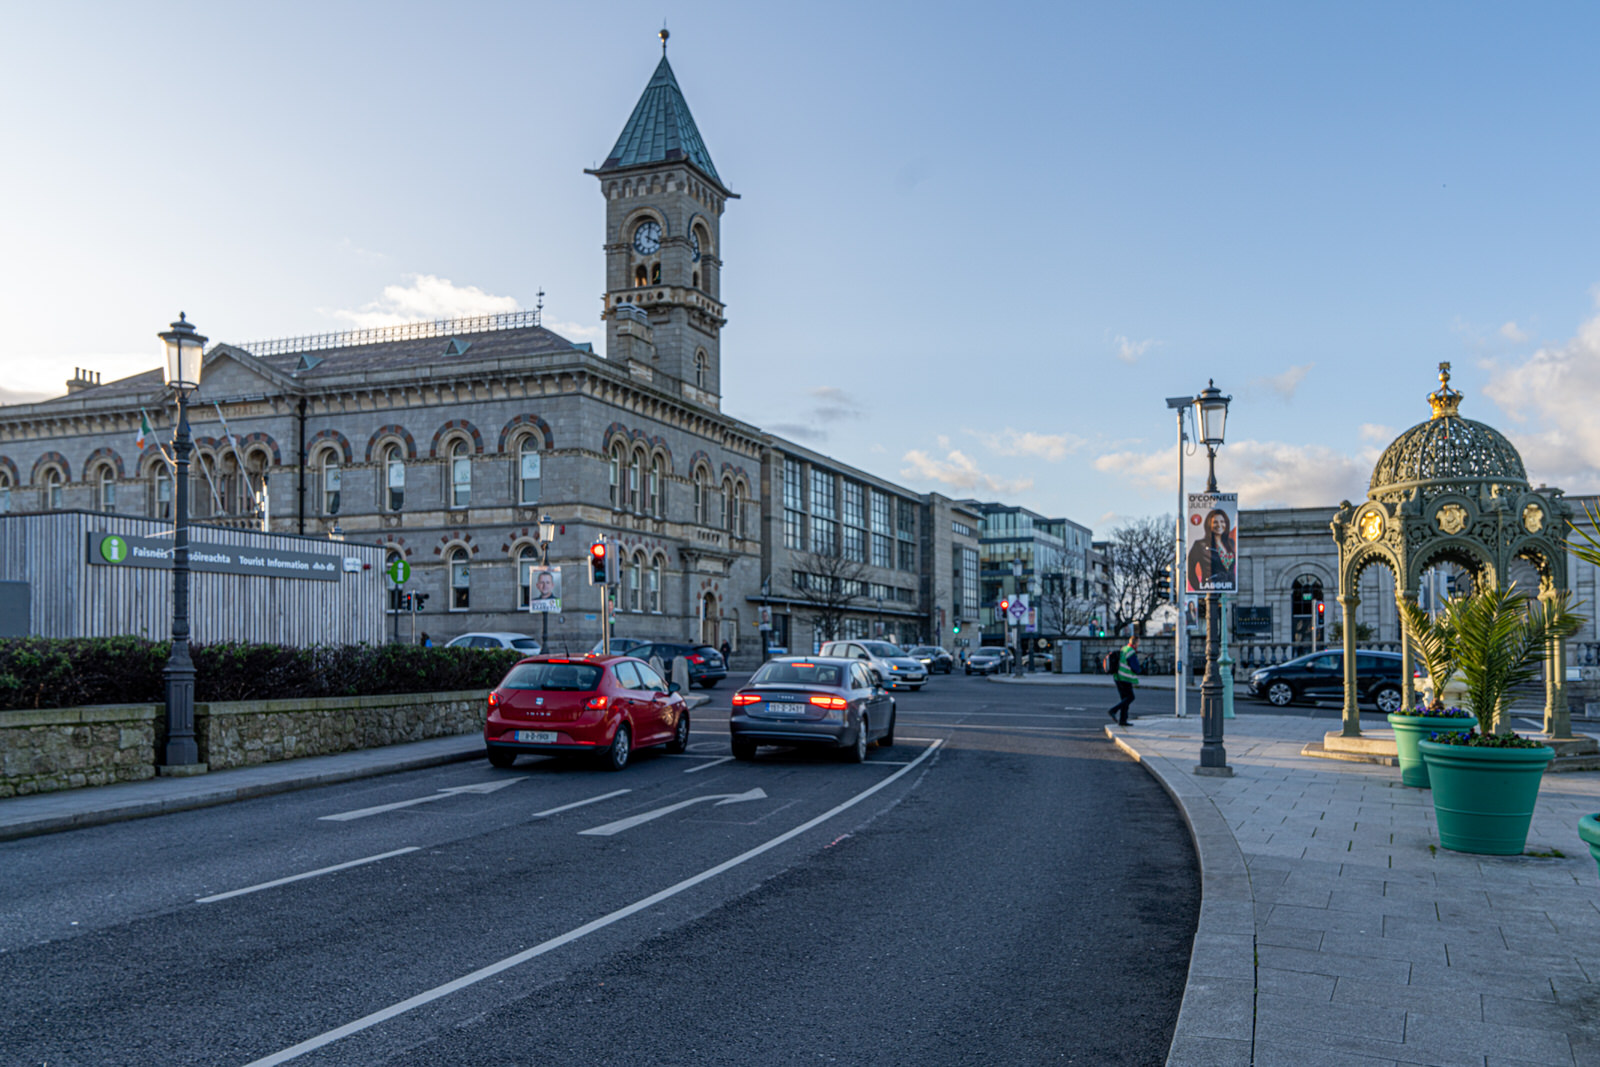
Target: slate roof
{"type": "Point", "coordinates": [660, 130]}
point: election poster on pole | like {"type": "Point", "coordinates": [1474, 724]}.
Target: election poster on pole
{"type": "Point", "coordinates": [1211, 559]}
{"type": "Point", "coordinates": [544, 590]}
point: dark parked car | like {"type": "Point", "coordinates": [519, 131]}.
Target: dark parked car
{"type": "Point", "coordinates": [990, 660]}
{"type": "Point", "coordinates": [706, 668]}
{"type": "Point", "coordinates": [934, 658]}
{"type": "Point", "coordinates": [812, 701]}
{"type": "Point", "coordinates": [1320, 676]}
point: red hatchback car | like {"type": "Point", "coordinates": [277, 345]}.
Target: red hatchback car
{"type": "Point", "coordinates": [605, 705]}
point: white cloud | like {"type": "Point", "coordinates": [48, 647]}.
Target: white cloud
{"type": "Point", "coordinates": [1551, 395]}
{"type": "Point", "coordinates": [1375, 433]}
{"type": "Point", "coordinates": [959, 471]}
{"type": "Point", "coordinates": [1263, 473]}
{"type": "Point", "coordinates": [1286, 383]}
{"type": "Point", "coordinates": [573, 331]}
{"type": "Point", "coordinates": [425, 297]}
{"type": "Point", "coordinates": [1129, 351]}
{"type": "Point", "coordinates": [1009, 442]}
{"type": "Point", "coordinates": [1512, 332]}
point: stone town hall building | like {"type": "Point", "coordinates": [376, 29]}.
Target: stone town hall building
{"type": "Point", "coordinates": [446, 441]}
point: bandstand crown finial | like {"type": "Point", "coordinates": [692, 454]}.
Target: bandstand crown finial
{"type": "Point", "coordinates": [1447, 401]}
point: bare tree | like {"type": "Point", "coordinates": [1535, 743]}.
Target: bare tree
{"type": "Point", "coordinates": [830, 585]}
{"type": "Point", "coordinates": [1138, 552]}
{"type": "Point", "coordinates": [1061, 610]}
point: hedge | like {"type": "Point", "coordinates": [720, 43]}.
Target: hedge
{"type": "Point", "coordinates": [38, 672]}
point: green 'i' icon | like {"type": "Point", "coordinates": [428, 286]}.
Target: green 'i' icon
{"type": "Point", "coordinates": [114, 549]}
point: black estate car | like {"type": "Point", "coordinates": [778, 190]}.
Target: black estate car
{"type": "Point", "coordinates": [706, 668]}
{"type": "Point", "coordinates": [1320, 676]}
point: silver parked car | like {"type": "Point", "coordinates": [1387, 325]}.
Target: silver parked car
{"type": "Point", "coordinates": [897, 669]}
{"type": "Point", "coordinates": [489, 639]}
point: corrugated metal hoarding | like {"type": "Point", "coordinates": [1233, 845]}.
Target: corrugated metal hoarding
{"type": "Point", "coordinates": [98, 575]}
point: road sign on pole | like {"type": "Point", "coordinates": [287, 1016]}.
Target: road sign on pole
{"type": "Point", "coordinates": [400, 572]}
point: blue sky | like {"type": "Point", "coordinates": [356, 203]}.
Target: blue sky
{"type": "Point", "coordinates": [976, 245]}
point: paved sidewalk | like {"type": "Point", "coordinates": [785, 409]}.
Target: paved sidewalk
{"type": "Point", "coordinates": [1334, 930]}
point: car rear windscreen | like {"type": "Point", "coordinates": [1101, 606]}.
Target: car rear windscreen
{"type": "Point", "coordinates": [527, 643]}
{"type": "Point", "coordinates": [799, 674]}
{"type": "Point", "coordinates": [560, 677]}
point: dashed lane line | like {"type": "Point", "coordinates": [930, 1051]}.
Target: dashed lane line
{"type": "Point", "coordinates": [581, 803]}
{"type": "Point", "coordinates": [301, 877]}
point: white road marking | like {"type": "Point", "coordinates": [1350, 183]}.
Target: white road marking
{"type": "Point", "coordinates": [1532, 724]}
{"type": "Point", "coordinates": [713, 763]}
{"type": "Point", "coordinates": [479, 787]}
{"type": "Point", "coordinates": [366, 1022]}
{"type": "Point", "coordinates": [635, 820]}
{"type": "Point", "coordinates": [581, 803]}
{"type": "Point", "coordinates": [309, 874]}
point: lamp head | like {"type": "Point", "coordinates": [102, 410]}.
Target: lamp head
{"type": "Point", "coordinates": [1213, 411]}
{"type": "Point", "coordinates": [185, 348]}
{"type": "Point", "coordinates": [547, 529]}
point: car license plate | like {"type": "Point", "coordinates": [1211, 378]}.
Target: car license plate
{"type": "Point", "coordinates": [787, 709]}
{"type": "Point", "coordinates": [536, 737]}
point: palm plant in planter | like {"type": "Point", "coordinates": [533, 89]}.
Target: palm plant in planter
{"type": "Point", "coordinates": [1435, 642]}
{"type": "Point", "coordinates": [1485, 784]}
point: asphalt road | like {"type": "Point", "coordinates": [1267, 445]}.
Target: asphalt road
{"type": "Point", "coordinates": [1002, 886]}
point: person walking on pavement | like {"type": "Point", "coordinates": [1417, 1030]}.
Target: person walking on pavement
{"type": "Point", "coordinates": [1127, 665]}
{"type": "Point", "coordinates": [726, 650]}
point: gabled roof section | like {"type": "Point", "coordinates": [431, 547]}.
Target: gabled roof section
{"type": "Point", "coordinates": [660, 130]}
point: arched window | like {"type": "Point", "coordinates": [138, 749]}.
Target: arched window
{"type": "Point", "coordinates": [741, 505]}
{"type": "Point", "coordinates": [615, 475]}
{"type": "Point", "coordinates": [105, 489]}
{"type": "Point", "coordinates": [1305, 618]}
{"type": "Point", "coordinates": [530, 470]}
{"type": "Point", "coordinates": [636, 584]}
{"type": "Point", "coordinates": [527, 559]}
{"type": "Point", "coordinates": [460, 475]}
{"type": "Point", "coordinates": [636, 482]}
{"type": "Point", "coordinates": [332, 479]}
{"type": "Point", "coordinates": [655, 274]}
{"type": "Point", "coordinates": [702, 496]}
{"type": "Point", "coordinates": [724, 506]}
{"type": "Point", "coordinates": [5, 493]}
{"type": "Point", "coordinates": [160, 492]}
{"type": "Point", "coordinates": [655, 585]}
{"type": "Point", "coordinates": [52, 487]}
{"type": "Point", "coordinates": [202, 477]}
{"type": "Point", "coordinates": [658, 506]}
{"type": "Point", "coordinates": [226, 470]}
{"type": "Point", "coordinates": [702, 369]}
{"type": "Point", "coordinates": [641, 277]}
{"type": "Point", "coordinates": [696, 279]}
{"type": "Point", "coordinates": [255, 482]}
{"type": "Point", "coordinates": [394, 478]}
{"type": "Point", "coordinates": [460, 580]}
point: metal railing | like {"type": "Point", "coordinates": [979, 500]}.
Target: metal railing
{"type": "Point", "coordinates": [406, 331]}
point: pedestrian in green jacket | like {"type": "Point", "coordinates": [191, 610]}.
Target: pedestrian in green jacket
{"type": "Point", "coordinates": [1127, 677]}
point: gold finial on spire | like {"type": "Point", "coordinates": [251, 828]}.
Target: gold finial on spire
{"type": "Point", "coordinates": [663, 34]}
{"type": "Point", "coordinates": [1446, 401]}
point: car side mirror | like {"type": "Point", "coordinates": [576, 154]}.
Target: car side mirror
{"type": "Point", "coordinates": [877, 678]}
{"type": "Point", "coordinates": [673, 687]}
{"type": "Point", "coordinates": [864, 656]}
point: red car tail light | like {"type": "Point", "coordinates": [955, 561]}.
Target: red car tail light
{"type": "Point", "coordinates": [741, 699]}
{"type": "Point", "coordinates": [831, 703]}
{"type": "Point", "coordinates": [494, 700]}
{"type": "Point", "coordinates": [596, 703]}
{"type": "Point", "coordinates": [696, 658]}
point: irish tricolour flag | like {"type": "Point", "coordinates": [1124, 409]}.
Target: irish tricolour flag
{"type": "Point", "coordinates": [144, 431]}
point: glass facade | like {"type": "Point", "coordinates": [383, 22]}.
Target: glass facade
{"type": "Point", "coordinates": [794, 502]}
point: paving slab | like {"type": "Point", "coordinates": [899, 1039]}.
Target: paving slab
{"type": "Point", "coordinates": [1370, 943]}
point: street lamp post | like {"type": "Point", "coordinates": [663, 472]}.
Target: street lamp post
{"type": "Point", "coordinates": [1180, 654]}
{"type": "Point", "coordinates": [547, 534]}
{"type": "Point", "coordinates": [180, 755]}
{"type": "Point", "coordinates": [1211, 409]}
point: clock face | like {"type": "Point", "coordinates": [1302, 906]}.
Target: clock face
{"type": "Point", "coordinates": [647, 238]}
{"type": "Point", "coordinates": [694, 245]}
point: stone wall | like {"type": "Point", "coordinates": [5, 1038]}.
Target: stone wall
{"type": "Point", "coordinates": [238, 734]}
{"type": "Point", "coordinates": [45, 750]}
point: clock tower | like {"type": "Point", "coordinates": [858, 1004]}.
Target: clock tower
{"type": "Point", "coordinates": [664, 201]}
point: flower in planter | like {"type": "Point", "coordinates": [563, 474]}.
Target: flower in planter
{"type": "Point", "coordinates": [1473, 739]}
{"type": "Point", "coordinates": [1442, 713]}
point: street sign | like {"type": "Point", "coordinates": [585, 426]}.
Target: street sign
{"type": "Point", "coordinates": [1019, 609]}
{"type": "Point", "coordinates": [400, 572]}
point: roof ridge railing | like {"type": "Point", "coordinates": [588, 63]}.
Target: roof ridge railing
{"type": "Point", "coordinates": [406, 331]}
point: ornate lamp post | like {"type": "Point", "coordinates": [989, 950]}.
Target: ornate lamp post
{"type": "Point", "coordinates": [1211, 410]}
{"type": "Point", "coordinates": [180, 755]}
{"type": "Point", "coordinates": [547, 534]}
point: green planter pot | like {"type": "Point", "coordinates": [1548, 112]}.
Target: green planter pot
{"type": "Point", "coordinates": [1483, 798]}
{"type": "Point", "coordinates": [1409, 729]}
{"type": "Point", "coordinates": [1589, 830]}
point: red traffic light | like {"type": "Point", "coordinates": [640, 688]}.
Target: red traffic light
{"type": "Point", "coordinates": [598, 550]}
{"type": "Point", "coordinates": [1005, 605]}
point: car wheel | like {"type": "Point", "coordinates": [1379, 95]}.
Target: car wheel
{"type": "Point", "coordinates": [680, 737]}
{"type": "Point", "coordinates": [499, 757]}
{"type": "Point", "coordinates": [969, 670]}
{"type": "Point", "coordinates": [744, 750]}
{"type": "Point", "coordinates": [709, 683]}
{"type": "Point", "coordinates": [616, 757]}
{"type": "Point", "coordinates": [887, 740]}
{"type": "Point", "coordinates": [1280, 694]}
{"type": "Point", "coordinates": [1389, 699]}
{"type": "Point", "coordinates": [857, 753]}
{"type": "Point", "coordinates": [917, 688]}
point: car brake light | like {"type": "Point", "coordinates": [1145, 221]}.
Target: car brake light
{"type": "Point", "coordinates": [697, 659]}
{"type": "Point", "coordinates": [558, 660]}
{"type": "Point", "coordinates": [741, 699]}
{"type": "Point", "coordinates": [831, 703]}
{"type": "Point", "coordinates": [494, 700]}
{"type": "Point", "coordinates": [596, 703]}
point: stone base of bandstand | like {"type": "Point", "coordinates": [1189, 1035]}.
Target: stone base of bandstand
{"type": "Point", "coordinates": [1373, 746]}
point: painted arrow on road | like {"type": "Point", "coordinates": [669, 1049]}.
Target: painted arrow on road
{"type": "Point", "coordinates": [478, 787]}
{"type": "Point", "coordinates": [634, 820]}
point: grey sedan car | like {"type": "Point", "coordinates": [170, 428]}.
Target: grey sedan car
{"type": "Point", "coordinates": [815, 701]}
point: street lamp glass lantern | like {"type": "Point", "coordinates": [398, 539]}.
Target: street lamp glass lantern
{"type": "Point", "coordinates": [547, 529]}
{"type": "Point", "coordinates": [1213, 414]}
{"type": "Point", "coordinates": [185, 348]}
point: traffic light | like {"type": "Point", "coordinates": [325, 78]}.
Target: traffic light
{"type": "Point", "coordinates": [957, 627]}
{"type": "Point", "coordinates": [1164, 584]}
{"type": "Point", "coordinates": [418, 599]}
{"type": "Point", "coordinates": [1005, 606]}
{"type": "Point", "coordinates": [598, 573]}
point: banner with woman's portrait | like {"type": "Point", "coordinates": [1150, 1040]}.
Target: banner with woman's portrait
{"type": "Point", "coordinates": [1211, 561]}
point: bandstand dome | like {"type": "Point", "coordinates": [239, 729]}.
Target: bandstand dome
{"type": "Point", "coordinates": [1447, 454]}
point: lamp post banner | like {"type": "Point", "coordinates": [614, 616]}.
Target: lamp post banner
{"type": "Point", "coordinates": [544, 590]}
{"type": "Point", "coordinates": [1211, 562]}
